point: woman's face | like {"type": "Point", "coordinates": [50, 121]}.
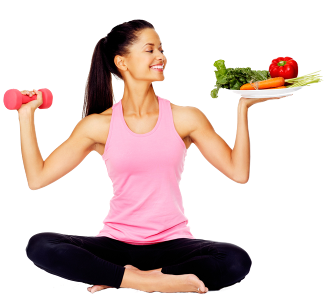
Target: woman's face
{"type": "Point", "coordinates": [145, 53]}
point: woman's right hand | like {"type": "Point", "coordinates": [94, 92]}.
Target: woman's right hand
{"type": "Point", "coordinates": [32, 105]}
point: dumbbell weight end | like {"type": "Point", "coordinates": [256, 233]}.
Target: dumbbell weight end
{"type": "Point", "coordinates": [47, 98]}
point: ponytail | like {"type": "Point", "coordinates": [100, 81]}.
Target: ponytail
{"type": "Point", "coordinates": [99, 94]}
{"type": "Point", "coordinates": [99, 91]}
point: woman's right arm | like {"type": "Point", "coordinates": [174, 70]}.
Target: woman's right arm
{"type": "Point", "coordinates": [63, 159]}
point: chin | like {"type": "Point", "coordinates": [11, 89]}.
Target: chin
{"type": "Point", "coordinates": [162, 79]}
{"type": "Point", "coordinates": [158, 78]}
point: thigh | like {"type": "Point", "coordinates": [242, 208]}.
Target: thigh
{"type": "Point", "coordinates": [92, 260]}
{"type": "Point", "coordinates": [106, 248]}
{"type": "Point", "coordinates": [182, 249]}
{"type": "Point", "coordinates": [218, 264]}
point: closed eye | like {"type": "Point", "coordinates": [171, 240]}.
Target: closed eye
{"type": "Point", "coordinates": [162, 51]}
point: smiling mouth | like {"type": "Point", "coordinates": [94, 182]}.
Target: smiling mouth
{"type": "Point", "coordinates": [157, 67]}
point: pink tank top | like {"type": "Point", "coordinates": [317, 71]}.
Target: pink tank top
{"type": "Point", "coordinates": [145, 170]}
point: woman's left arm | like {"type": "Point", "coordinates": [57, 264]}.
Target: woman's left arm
{"type": "Point", "coordinates": [234, 163]}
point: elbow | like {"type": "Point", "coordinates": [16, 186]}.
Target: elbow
{"type": "Point", "coordinates": [34, 186]}
{"type": "Point", "coordinates": [31, 187]}
{"type": "Point", "coordinates": [242, 180]}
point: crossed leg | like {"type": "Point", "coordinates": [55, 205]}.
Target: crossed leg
{"type": "Point", "coordinates": [105, 262]}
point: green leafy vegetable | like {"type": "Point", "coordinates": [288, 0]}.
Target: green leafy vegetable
{"type": "Point", "coordinates": [234, 78]}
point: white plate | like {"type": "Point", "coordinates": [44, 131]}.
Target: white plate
{"type": "Point", "coordinates": [264, 93]}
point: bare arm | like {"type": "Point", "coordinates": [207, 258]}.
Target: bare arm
{"type": "Point", "coordinates": [32, 159]}
{"type": "Point", "coordinates": [232, 163]}
{"type": "Point", "coordinates": [63, 159]}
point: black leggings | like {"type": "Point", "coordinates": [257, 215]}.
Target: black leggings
{"type": "Point", "coordinates": [101, 260]}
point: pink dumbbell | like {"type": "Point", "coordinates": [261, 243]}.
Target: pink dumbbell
{"type": "Point", "coordinates": [13, 98]}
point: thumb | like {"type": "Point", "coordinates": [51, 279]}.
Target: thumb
{"type": "Point", "coordinates": [39, 94]}
{"type": "Point", "coordinates": [39, 98]}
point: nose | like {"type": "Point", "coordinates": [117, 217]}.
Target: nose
{"type": "Point", "coordinates": [161, 57]}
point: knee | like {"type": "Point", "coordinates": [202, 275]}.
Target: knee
{"type": "Point", "coordinates": [37, 246]}
{"type": "Point", "coordinates": [240, 263]}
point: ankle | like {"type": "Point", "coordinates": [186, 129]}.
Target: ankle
{"type": "Point", "coordinates": [154, 270]}
{"type": "Point", "coordinates": [136, 280]}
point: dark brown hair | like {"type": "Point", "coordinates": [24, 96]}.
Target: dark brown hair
{"type": "Point", "coordinates": [99, 94]}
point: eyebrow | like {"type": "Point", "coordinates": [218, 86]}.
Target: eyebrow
{"type": "Point", "coordinates": [151, 44]}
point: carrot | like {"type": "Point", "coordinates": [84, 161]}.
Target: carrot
{"type": "Point", "coordinates": [265, 84]}
{"type": "Point", "coordinates": [278, 87]}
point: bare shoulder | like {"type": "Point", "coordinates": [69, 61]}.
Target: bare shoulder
{"type": "Point", "coordinates": [179, 111]}
{"type": "Point", "coordinates": [188, 119]}
{"type": "Point", "coordinates": [96, 127]}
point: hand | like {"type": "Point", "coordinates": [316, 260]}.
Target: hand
{"type": "Point", "coordinates": [32, 105]}
{"type": "Point", "coordinates": [251, 101]}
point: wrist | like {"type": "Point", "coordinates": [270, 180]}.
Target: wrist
{"type": "Point", "coordinates": [242, 105]}
{"type": "Point", "coordinates": [25, 113]}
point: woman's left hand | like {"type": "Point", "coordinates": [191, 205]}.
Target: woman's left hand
{"type": "Point", "coordinates": [251, 101]}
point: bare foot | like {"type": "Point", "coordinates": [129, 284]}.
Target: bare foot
{"type": "Point", "coordinates": [164, 283]}
{"type": "Point", "coordinates": [96, 288]}
{"type": "Point", "coordinates": [191, 283]}
{"type": "Point", "coordinates": [168, 283]}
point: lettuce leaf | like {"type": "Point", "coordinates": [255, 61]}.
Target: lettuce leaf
{"type": "Point", "coordinates": [234, 78]}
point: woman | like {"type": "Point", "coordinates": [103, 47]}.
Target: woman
{"type": "Point", "coordinates": [145, 243]}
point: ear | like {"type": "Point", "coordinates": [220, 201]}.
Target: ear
{"type": "Point", "coordinates": [120, 63]}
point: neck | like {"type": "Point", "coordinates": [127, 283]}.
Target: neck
{"type": "Point", "coordinates": [139, 101]}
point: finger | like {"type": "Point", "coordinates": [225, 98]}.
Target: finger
{"type": "Point", "coordinates": [275, 98]}
{"type": "Point", "coordinates": [26, 92]}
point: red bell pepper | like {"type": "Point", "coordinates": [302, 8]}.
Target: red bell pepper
{"type": "Point", "coordinates": [284, 67]}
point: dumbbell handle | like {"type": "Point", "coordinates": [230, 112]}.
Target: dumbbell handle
{"type": "Point", "coordinates": [26, 98]}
